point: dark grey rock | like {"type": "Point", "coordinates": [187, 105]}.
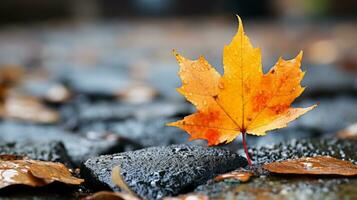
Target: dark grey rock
{"type": "Point", "coordinates": [47, 151]}
{"type": "Point", "coordinates": [162, 171]}
{"type": "Point", "coordinates": [79, 148]}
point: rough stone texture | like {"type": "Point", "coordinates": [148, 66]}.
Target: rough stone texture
{"type": "Point", "coordinates": [79, 148]}
{"type": "Point", "coordinates": [47, 151]}
{"type": "Point", "coordinates": [162, 171]}
{"type": "Point", "coordinates": [277, 188]}
{"type": "Point", "coordinates": [268, 186]}
{"type": "Point", "coordinates": [342, 149]}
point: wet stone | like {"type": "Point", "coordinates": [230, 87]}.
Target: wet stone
{"type": "Point", "coordinates": [339, 81]}
{"type": "Point", "coordinates": [46, 151]}
{"type": "Point", "coordinates": [87, 112]}
{"type": "Point", "coordinates": [342, 81]}
{"type": "Point", "coordinates": [341, 149]}
{"type": "Point", "coordinates": [331, 115]}
{"type": "Point", "coordinates": [282, 135]}
{"type": "Point", "coordinates": [162, 171]}
{"type": "Point", "coordinates": [293, 188]}
{"type": "Point", "coordinates": [152, 132]}
{"type": "Point", "coordinates": [97, 81]}
{"type": "Point", "coordinates": [265, 185]}
{"type": "Point", "coordinates": [147, 133]}
{"type": "Point", "coordinates": [46, 89]}
{"type": "Point", "coordinates": [79, 147]}
{"type": "Point", "coordinates": [160, 73]}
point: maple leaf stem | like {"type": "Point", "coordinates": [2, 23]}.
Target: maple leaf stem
{"type": "Point", "coordinates": [245, 148]}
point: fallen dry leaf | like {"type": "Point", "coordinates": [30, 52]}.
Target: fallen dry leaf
{"type": "Point", "coordinates": [50, 172]}
{"type": "Point", "coordinates": [323, 51]}
{"type": "Point", "coordinates": [7, 157]}
{"type": "Point", "coordinates": [15, 171]}
{"type": "Point", "coordinates": [138, 93]}
{"type": "Point", "coordinates": [348, 61]}
{"type": "Point", "coordinates": [348, 133]}
{"type": "Point", "coordinates": [320, 165]}
{"type": "Point", "coordinates": [242, 176]}
{"type": "Point", "coordinates": [105, 195]}
{"type": "Point", "coordinates": [28, 109]}
{"type": "Point", "coordinates": [243, 99]}
{"type": "Point", "coordinates": [9, 76]}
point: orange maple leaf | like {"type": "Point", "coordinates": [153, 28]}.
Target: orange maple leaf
{"type": "Point", "coordinates": [243, 99]}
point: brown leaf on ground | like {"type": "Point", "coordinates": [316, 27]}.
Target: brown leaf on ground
{"type": "Point", "coordinates": [106, 195]}
{"type": "Point", "coordinates": [9, 76]}
{"type": "Point", "coordinates": [33, 172]}
{"type": "Point", "coordinates": [138, 93]}
{"type": "Point", "coordinates": [242, 176]}
{"type": "Point", "coordinates": [28, 109]}
{"type": "Point", "coordinates": [320, 165]}
{"type": "Point", "coordinates": [348, 133]}
{"type": "Point", "coordinates": [7, 157]}
{"type": "Point", "coordinates": [50, 172]}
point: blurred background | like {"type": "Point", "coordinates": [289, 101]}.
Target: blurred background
{"type": "Point", "coordinates": [80, 66]}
